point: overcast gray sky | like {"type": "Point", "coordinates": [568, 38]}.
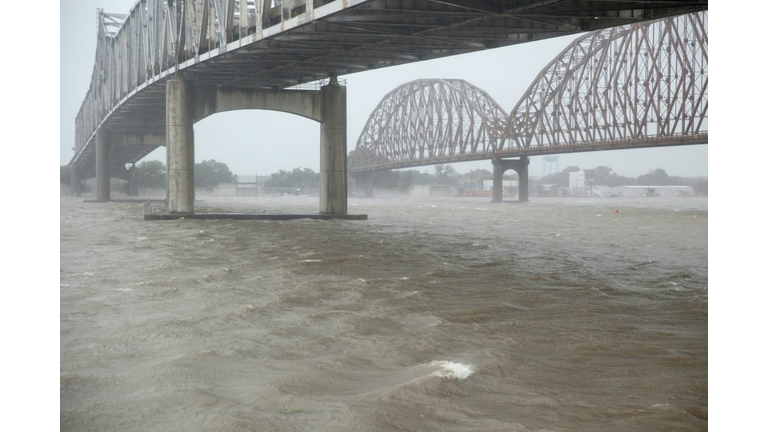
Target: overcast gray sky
{"type": "Point", "coordinates": [505, 73]}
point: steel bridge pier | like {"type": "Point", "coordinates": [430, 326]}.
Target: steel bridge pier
{"type": "Point", "coordinates": [520, 166]}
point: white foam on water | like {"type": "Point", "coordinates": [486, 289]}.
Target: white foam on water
{"type": "Point", "coordinates": [87, 274]}
{"type": "Point", "coordinates": [141, 238]}
{"type": "Point", "coordinates": [451, 370]}
{"type": "Point", "coordinates": [311, 260]}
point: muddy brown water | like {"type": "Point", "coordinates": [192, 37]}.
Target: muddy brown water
{"type": "Point", "coordinates": [433, 315]}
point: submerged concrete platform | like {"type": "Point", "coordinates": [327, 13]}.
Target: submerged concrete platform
{"type": "Point", "coordinates": [254, 216]}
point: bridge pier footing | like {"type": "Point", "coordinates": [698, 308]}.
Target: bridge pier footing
{"type": "Point", "coordinates": [180, 145]}
{"type": "Point", "coordinates": [333, 149]}
{"type": "Point", "coordinates": [103, 182]}
{"type": "Point", "coordinates": [520, 166]}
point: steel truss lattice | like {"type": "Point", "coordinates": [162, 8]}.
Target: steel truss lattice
{"type": "Point", "coordinates": [430, 118]}
{"type": "Point", "coordinates": [640, 85]}
{"type": "Point", "coordinates": [633, 82]}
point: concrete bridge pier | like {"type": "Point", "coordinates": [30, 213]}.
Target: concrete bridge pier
{"type": "Point", "coordinates": [369, 186]}
{"type": "Point", "coordinates": [103, 182]}
{"type": "Point", "coordinates": [133, 181]}
{"type": "Point", "coordinates": [333, 149]}
{"type": "Point", "coordinates": [518, 165]}
{"type": "Point", "coordinates": [180, 145]}
{"type": "Point", "coordinates": [74, 180]}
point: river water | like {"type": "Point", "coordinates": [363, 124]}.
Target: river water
{"type": "Point", "coordinates": [433, 315]}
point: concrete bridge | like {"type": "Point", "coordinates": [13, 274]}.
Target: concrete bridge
{"type": "Point", "coordinates": [635, 86]}
{"type": "Point", "coordinates": [168, 63]}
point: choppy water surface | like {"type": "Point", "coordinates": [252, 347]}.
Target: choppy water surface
{"type": "Point", "coordinates": [452, 314]}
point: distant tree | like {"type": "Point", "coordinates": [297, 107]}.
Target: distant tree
{"type": "Point", "coordinates": [210, 173]}
{"type": "Point", "coordinates": [604, 176]}
{"type": "Point", "coordinates": [297, 178]}
{"type": "Point", "coordinates": [700, 186]}
{"type": "Point", "coordinates": [278, 179]}
{"type": "Point", "coordinates": [305, 177]}
{"type": "Point", "coordinates": [561, 178]}
{"type": "Point", "coordinates": [446, 174]}
{"type": "Point", "coordinates": [64, 174]}
{"type": "Point", "coordinates": [151, 174]}
{"type": "Point", "coordinates": [659, 177]}
{"type": "Point", "coordinates": [386, 179]}
{"type": "Point", "coordinates": [480, 174]}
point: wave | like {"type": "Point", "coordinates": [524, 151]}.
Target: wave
{"type": "Point", "coordinates": [451, 370]}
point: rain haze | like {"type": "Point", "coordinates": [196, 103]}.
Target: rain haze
{"type": "Point", "coordinates": [427, 303]}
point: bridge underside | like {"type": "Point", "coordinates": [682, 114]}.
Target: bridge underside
{"type": "Point", "coordinates": [351, 36]}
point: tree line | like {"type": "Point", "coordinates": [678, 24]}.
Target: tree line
{"type": "Point", "coordinates": [210, 173]}
{"type": "Point", "coordinates": [604, 176]}
{"type": "Point", "coordinates": [151, 174]}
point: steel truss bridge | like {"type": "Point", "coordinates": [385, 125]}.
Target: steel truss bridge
{"type": "Point", "coordinates": [277, 44]}
{"type": "Point", "coordinates": [631, 86]}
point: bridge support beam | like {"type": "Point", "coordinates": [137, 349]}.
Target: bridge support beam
{"type": "Point", "coordinates": [518, 165]}
{"type": "Point", "coordinates": [74, 180]}
{"type": "Point", "coordinates": [180, 146]}
{"type": "Point", "coordinates": [333, 149]}
{"type": "Point", "coordinates": [103, 182]}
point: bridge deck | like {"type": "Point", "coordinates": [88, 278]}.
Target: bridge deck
{"type": "Point", "coordinates": [347, 36]}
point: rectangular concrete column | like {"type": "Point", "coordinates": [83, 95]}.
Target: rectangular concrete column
{"type": "Point", "coordinates": [498, 173]}
{"type": "Point", "coordinates": [369, 186]}
{"type": "Point", "coordinates": [74, 180]}
{"type": "Point", "coordinates": [333, 149]}
{"type": "Point", "coordinates": [180, 145]}
{"type": "Point", "coordinates": [103, 183]}
{"type": "Point", "coordinates": [133, 181]}
{"type": "Point", "coordinates": [522, 174]}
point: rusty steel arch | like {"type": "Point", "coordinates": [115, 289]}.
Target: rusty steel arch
{"type": "Point", "coordinates": [642, 85]}
{"type": "Point", "coordinates": [632, 86]}
{"type": "Point", "coordinates": [429, 120]}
